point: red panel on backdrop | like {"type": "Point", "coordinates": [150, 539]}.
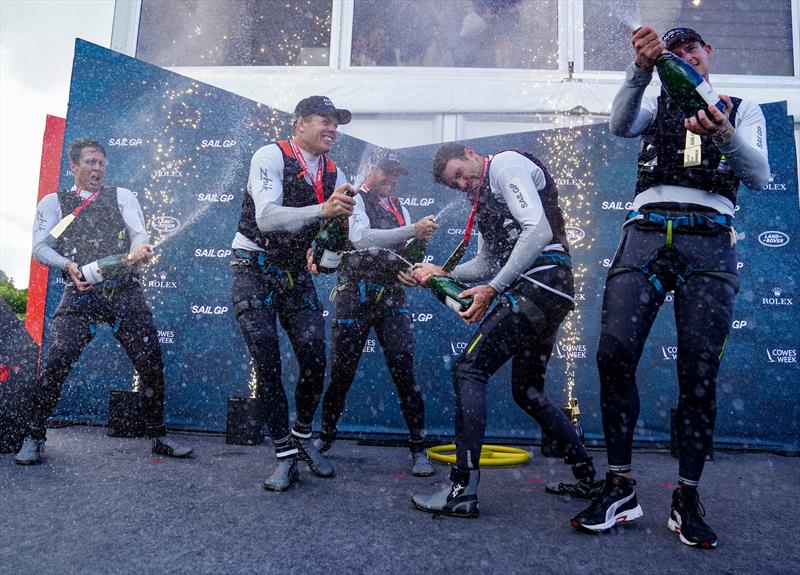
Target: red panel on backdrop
{"type": "Point", "coordinates": [52, 144]}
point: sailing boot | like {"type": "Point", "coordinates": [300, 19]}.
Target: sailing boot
{"type": "Point", "coordinates": [308, 453]}
{"type": "Point", "coordinates": [459, 499]}
{"type": "Point", "coordinates": [31, 452]}
{"type": "Point", "coordinates": [284, 476]}
{"type": "Point", "coordinates": [584, 488]}
{"type": "Point", "coordinates": [422, 465]}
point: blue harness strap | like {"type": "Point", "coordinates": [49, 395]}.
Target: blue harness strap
{"type": "Point", "coordinates": [691, 220]}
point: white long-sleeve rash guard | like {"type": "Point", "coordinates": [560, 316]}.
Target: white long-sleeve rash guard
{"type": "Point", "coordinates": [515, 181]}
{"type": "Point", "coordinates": [632, 114]}
{"type": "Point", "coordinates": [363, 236]}
{"type": "Point", "coordinates": [265, 185]}
{"type": "Point", "coordinates": [48, 214]}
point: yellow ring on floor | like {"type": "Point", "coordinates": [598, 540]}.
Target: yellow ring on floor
{"type": "Point", "coordinates": [491, 455]}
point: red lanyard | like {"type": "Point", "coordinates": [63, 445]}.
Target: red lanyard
{"type": "Point", "coordinates": [86, 202]}
{"type": "Point", "coordinates": [392, 208]}
{"type": "Point", "coordinates": [317, 182]}
{"type": "Point", "coordinates": [389, 206]}
{"type": "Point", "coordinates": [476, 194]}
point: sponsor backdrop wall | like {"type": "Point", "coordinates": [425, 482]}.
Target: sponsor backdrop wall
{"type": "Point", "coordinates": [184, 148]}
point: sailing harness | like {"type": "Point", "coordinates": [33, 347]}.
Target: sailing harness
{"type": "Point", "coordinates": [666, 268]}
{"type": "Point", "coordinates": [257, 260]}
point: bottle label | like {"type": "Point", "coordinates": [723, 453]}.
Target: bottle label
{"type": "Point", "coordinates": [708, 94]}
{"type": "Point", "coordinates": [91, 273]}
{"type": "Point", "coordinates": [453, 304]}
{"type": "Point", "coordinates": [330, 259]}
{"type": "Point", "coordinates": [692, 150]}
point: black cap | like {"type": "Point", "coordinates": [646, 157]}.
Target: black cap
{"type": "Point", "coordinates": [322, 106]}
{"type": "Point", "coordinates": [390, 162]}
{"type": "Point", "coordinates": [679, 36]}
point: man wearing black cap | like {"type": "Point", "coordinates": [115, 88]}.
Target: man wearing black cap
{"type": "Point", "coordinates": [369, 294]}
{"type": "Point", "coordinates": [679, 237]}
{"type": "Point", "coordinates": [293, 186]}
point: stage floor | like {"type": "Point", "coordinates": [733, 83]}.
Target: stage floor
{"type": "Point", "coordinates": [105, 505]}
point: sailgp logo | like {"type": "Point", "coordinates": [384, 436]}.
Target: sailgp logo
{"type": "Point", "coordinates": [574, 234]}
{"type": "Point", "coordinates": [773, 239]}
{"type": "Point", "coordinates": [782, 355]}
{"type": "Point", "coordinates": [165, 224]}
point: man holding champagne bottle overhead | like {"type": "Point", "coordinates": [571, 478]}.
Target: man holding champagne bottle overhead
{"type": "Point", "coordinates": [525, 258]}
{"type": "Point", "coordinates": [292, 188]}
{"type": "Point", "coordinates": [678, 237]}
{"type": "Point", "coordinates": [76, 231]}
{"type": "Point", "coordinates": [369, 294]}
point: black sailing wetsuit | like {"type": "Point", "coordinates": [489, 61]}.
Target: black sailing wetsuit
{"type": "Point", "coordinates": [271, 282]}
{"type": "Point", "coordinates": [679, 237]}
{"type": "Point", "coordinates": [523, 325]}
{"type": "Point", "coordinates": [99, 230]}
{"type": "Point", "coordinates": [370, 297]}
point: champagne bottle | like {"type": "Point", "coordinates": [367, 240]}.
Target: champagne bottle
{"type": "Point", "coordinates": [414, 251]}
{"type": "Point", "coordinates": [330, 242]}
{"type": "Point", "coordinates": [105, 268]}
{"type": "Point", "coordinates": [446, 290]}
{"type": "Point", "coordinates": [685, 85]}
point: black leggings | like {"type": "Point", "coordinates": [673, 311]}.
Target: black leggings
{"type": "Point", "coordinates": [356, 314]}
{"type": "Point", "coordinates": [259, 297]}
{"type": "Point", "coordinates": [73, 328]}
{"type": "Point", "coordinates": [525, 331]}
{"type": "Point", "coordinates": [703, 313]}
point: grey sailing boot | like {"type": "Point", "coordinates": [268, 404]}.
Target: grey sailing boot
{"type": "Point", "coordinates": [164, 445]}
{"type": "Point", "coordinates": [308, 453]}
{"type": "Point", "coordinates": [31, 452]}
{"type": "Point", "coordinates": [325, 440]}
{"type": "Point", "coordinates": [460, 498]}
{"type": "Point", "coordinates": [422, 466]}
{"type": "Point", "coordinates": [284, 475]}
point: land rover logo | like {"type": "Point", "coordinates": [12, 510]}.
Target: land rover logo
{"type": "Point", "coordinates": [773, 239]}
{"type": "Point", "coordinates": [574, 234]}
{"type": "Point", "coordinates": [166, 224]}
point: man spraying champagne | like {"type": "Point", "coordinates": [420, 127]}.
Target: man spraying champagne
{"type": "Point", "coordinates": [78, 229]}
{"type": "Point", "coordinates": [524, 259]}
{"type": "Point", "coordinates": [678, 237]}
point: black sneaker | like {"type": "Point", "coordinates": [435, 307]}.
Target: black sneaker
{"type": "Point", "coordinates": [686, 519]}
{"type": "Point", "coordinates": [582, 489]}
{"type": "Point", "coordinates": [616, 503]}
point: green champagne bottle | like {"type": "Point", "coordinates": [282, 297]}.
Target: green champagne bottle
{"type": "Point", "coordinates": [685, 85]}
{"type": "Point", "coordinates": [446, 291]}
{"type": "Point", "coordinates": [105, 268]}
{"type": "Point", "coordinates": [330, 242]}
{"type": "Point", "coordinates": [414, 251]}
